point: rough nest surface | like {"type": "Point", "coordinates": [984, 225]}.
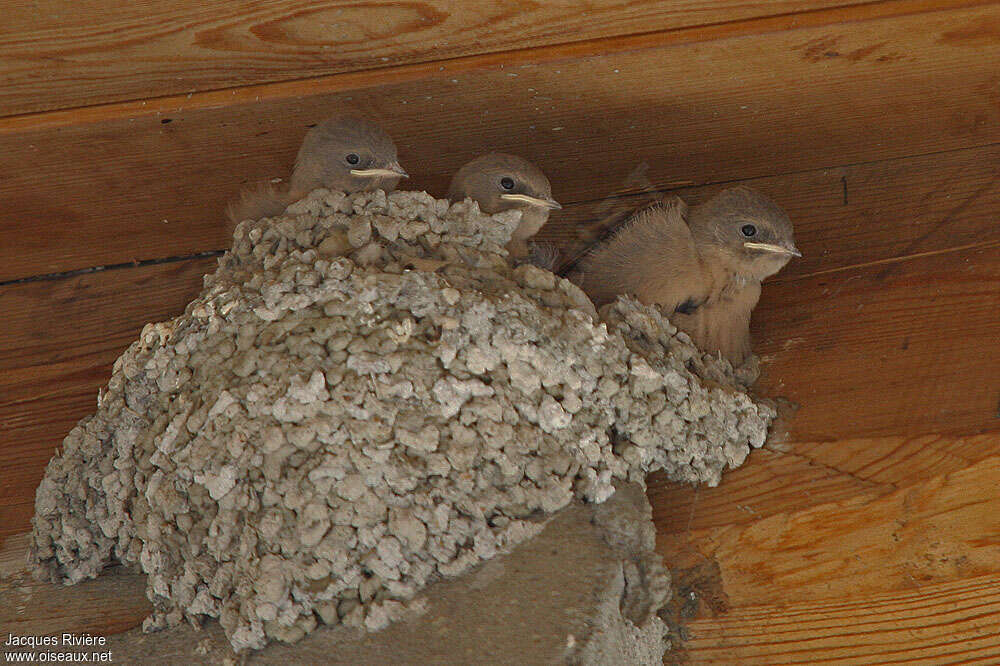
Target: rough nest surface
{"type": "Point", "coordinates": [366, 396]}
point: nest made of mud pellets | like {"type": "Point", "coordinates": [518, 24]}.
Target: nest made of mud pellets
{"type": "Point", "coordinates": [364, 396]}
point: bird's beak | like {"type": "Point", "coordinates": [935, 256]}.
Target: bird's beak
{"type": "Point", "coordinates": [550, 204]}
{"type": "Point", "coordinates": [391, 171]}
{"type": "Point", "coordinates": [770, 247]}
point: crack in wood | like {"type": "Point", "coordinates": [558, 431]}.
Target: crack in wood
{"type": "Point", "coordinates": [945, 219]}
{"type": "Point", "coordinates": [889, 260]}
{"type": "Point", "coordinates": [113, 267]}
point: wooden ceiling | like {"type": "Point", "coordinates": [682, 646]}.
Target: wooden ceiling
{"type": "Point", "coordinates": [124, 130]}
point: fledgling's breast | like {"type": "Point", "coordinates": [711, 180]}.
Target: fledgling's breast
{"type": "Point", "coordinates": [532, 220]}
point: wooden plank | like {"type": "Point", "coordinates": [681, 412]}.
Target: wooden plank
{"type": "Point", "coordinates": [110, 604]}
{"type": "Point", "coordinates": [945, 623]}
{"type": "Point", "coordinates": [845, 216]}
{"type": "Point", "coordinates": [59, 54]}
{"type": "Point", "coordinates": [871, 354]}
{"type": "Point", "coordinates": [804, 474]}
{"type": "Point", "coordinates": [131, 187]}
{"type": "Point", "coordinates": [909, 575]}
{"type": "Point", "coordinates": [867, 11]}
{"type": "Point", "coordinates": [57, 345]}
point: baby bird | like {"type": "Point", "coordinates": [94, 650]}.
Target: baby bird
{"type": "Point", "coordinates": [343, 153]}
{"type": "Point", "coordinates": [498, 182]}
{"type": "Point", "coordinates": [702, 266]}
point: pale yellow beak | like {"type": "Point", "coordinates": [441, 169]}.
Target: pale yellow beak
{"type": "Point", "coordinates": [550, 204]}
{"type": "Point", "coordinates": [391, 171]}
{"type": "Point", "coordinates": [770, 247]}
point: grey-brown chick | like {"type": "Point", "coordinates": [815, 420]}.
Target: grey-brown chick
{"type": "Point", "coordinates": [499, 182]}
{"type": "Point", "coordinates": [702, 266]}
{"type": "Point", "coordinates": [344, 153]}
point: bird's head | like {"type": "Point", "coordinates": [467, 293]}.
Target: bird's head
{"type": "Point", "coordinates": [499, 182]}
{"type": "Point", "coordinates": [349, 154]}
{"type": "Point", "coordinates": [749, 230]}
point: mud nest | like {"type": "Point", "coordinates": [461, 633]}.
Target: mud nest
{"type": "Point", "coordinates": [366, 396]}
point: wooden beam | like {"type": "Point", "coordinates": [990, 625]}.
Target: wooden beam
{"type": "Point", "coordinates": [121, 186]}
{"type": "Point", "coordinates": [58, 54]}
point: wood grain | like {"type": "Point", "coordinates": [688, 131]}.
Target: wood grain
{"type": "Point", "coordinates": [871, 353]}
{"type": "Point", "coordinates": [59, 53]}
{"type": "Point", "coordinates": [801, 474]}
{"type": "Point", "coordinates": [905, 576]}
{"type": "Point", "coordinates": [138, 187]}
{"type": "Point", "coordinates": [943, 528]}
{"type": "Point", "coordinates": [955, 622]}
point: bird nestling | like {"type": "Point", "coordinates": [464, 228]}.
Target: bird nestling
{"type": "Point", "coordinates": [703, 266]}
{"type": "Point", "coordinates": [344, 153]}
{"type": "Point", "coordinates": [499, 182]}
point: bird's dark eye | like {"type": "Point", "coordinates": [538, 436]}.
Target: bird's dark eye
{"type": "Point", "coordinates": [749, 230]}
{"type": "Point", "coordinates": [352, 158]}
{"type": "Point", "coordinates": [507, 183]}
